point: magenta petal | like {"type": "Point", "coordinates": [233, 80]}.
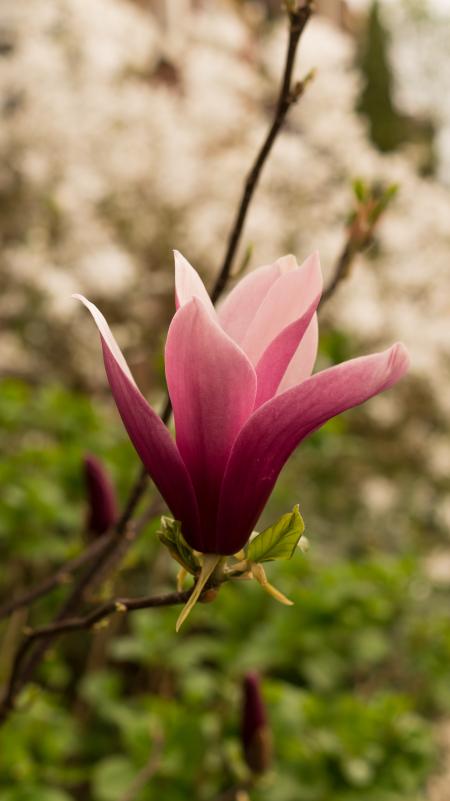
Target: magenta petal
{"type": "Point", "coordinates": [148, 433]}
{"type": "Point", "coordinates": [212, 386]}
{"type": "Point", "coordinates": [275, 359]}
{"type": "Point", "coordinates": [277, 427]}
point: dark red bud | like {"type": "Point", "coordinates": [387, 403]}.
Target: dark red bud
{"type": "Point", "coordinates": [102, 503]}
{"type": "Point", "coordinates": [256, 735]}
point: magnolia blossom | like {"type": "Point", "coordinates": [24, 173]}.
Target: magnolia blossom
{"type": "Point", "coordinates": [102, 502]}
{"type": "Point", "coordinates": [255, 730]}
{"type": "Point", "coordinates": [243, 397]}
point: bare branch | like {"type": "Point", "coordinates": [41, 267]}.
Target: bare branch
{"type": "Point", "coordinates": [341, 270]}
{"type": "Point", "coordinates": [22, 671]}
{"type": "Point", "coordinates": [299, 14]}
{"type": "Point", "coordinates": [61, 577]}
{"type": "Point", "coordinates": [371, 204]}
{"type": "Point", "coordinates": [45, 635]}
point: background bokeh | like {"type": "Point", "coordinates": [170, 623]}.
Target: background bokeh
{"type": "Point", "coordinates": [127, 129]}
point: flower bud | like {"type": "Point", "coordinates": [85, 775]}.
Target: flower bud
{"type": "Point", "coordinates": [256, 734]}
{"type": "Point", "coordinates": [102, 503]}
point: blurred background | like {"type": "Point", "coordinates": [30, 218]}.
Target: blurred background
{"type": "Point", "coordinates": [127, 129]}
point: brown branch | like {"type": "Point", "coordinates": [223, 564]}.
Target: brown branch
{"type": "Point", "coordinates": [22, 671]}
{"type": "Point", "coordinates": [61, 577]}
{"type": "Point", "coordinates": [341, 270]}
{"type": "Point", "coordinates": [45, 635]}
{"type": "Point", "coordinates": [288, 95]}
{"type": "Point", "coordinates": [371, 204]}
{"type": "Point", "coordinates": [107, 609]}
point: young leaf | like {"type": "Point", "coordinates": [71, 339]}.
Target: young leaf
{"type": "Point", "coordinates": [278, 541]}
{"type": "Point", "coordinates": [171, 536]}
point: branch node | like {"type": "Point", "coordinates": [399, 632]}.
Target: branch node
{"type": "Point", "coordinates": [101, 624]}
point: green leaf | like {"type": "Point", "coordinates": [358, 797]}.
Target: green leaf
{"type": "Point", "coordinates": [278, 541]}
{"type": "Point", "coordinates": [360, 189]}
{"type": "Point", "coordinates": [171, 536]}
{"type": "Point", "coordinates": [112, 777]}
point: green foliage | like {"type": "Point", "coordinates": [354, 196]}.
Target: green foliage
{"type": "Point", "coordinates": [354, 672]}
{"type": "Point", "coordinates": [43, 436]}
{"type": "Point", "coordinates": [388, 127]}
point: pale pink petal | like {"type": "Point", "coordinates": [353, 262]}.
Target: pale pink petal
{"type": "Point", "coordinates": [286, 301]}
{"type": "Point", "coordinates": [304, 358]}
{"type": "Point", "coordinates": [188, 284]}
{"type": "Point", "coordinates": [273, 363]}
{"type": "Point", "coordinates": [277, 427]}
{"type": "Point", "coordinates": [238, 309]}
{"type": "Point", "coordinates": [106, 334]}
{"type": "Point", "coordinates": [148, 433]}
{"type": "Point", "coordinates": [212, 386]}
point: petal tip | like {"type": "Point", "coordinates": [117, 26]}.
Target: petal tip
{"type": "Point", "coordinates": [287, 264]}
{"type": "Point", "coordinates": [399, 359]}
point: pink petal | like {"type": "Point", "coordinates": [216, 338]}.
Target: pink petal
{"type": "Point", "coordinates": [212, 386]}
{"type": "Point", "coordinates": [302, 363]}
{"type": "Point", "coordinates": [148, 433]}
{"type": "Point", "coordinates": [238, 309]}
{"type": "Point", "coordinates": [188, 284]}
{"type": "Point", "coordinates": [277, 427]}
{"type": "Point", "coordinates": [286, 301]}
{"type": "Point", "coordinates": [273, 363]}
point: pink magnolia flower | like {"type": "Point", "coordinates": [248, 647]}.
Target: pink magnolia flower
{"type": "Point", "coordinates": [243, 397]}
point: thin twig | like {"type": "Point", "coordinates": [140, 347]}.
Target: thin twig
{"type": "Point", "coordinates": [105, 610]}
{"type": "Point", "coordinates": [61, 577]}
{"type": "Point", "coordinates": [147, 772]}
{"type": "Point", "coordinates": [288, 95]}
{"type": "Point", "coordinates": [44, 635]}
{"type": "Point", "coordinates": [371, 205]}
{"type": "Point", "coordinates": [341, 270]}
{"type": "Point", "coordinates": [22, 671]}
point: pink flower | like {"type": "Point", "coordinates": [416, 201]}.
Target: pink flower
{"type": "Point", "coordinates": [102, 502]}
{"type": "Point", "coordinates": [243, 397]}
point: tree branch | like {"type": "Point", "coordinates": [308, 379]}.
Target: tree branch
{"type": "Point", "coordinates": [22, 670]}
{"type": "Point", "coordinates": [341, 270]}
{"type": "Point", "coordinates": [44, 635]}
{"type": "Point", "coordinates": [288, 95]}
{"type": "Point", "coordinates": [61, 577]}
{"type": "Point", "coordinates": [371, 204]}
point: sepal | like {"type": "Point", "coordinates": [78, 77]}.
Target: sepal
{"type": "Point", "coordinates": [170, 535]}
